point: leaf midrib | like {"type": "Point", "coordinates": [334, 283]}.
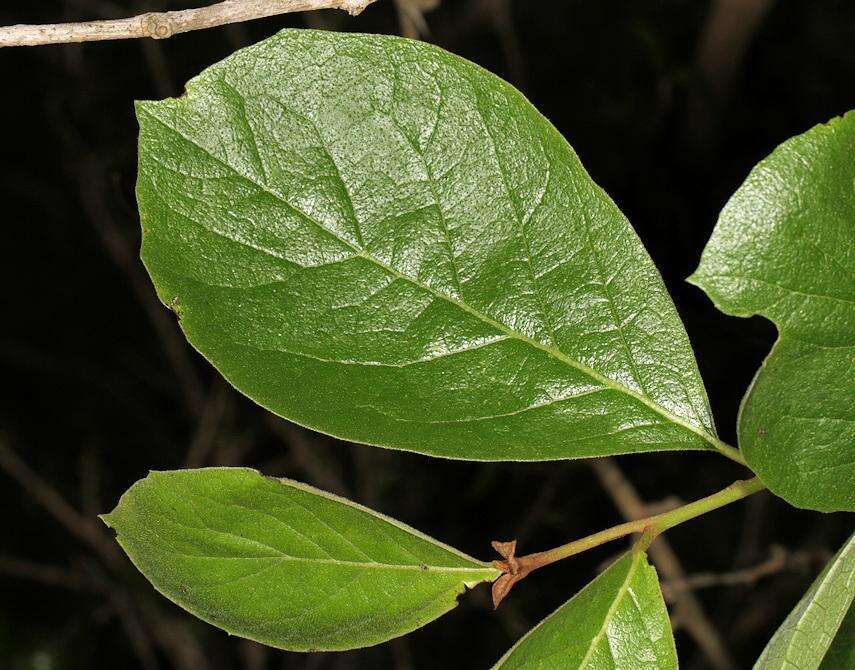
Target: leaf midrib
{"type": "Point", "coordinates": [370, 565]}
{"type": "Point", "coordinates": [557, 354]}
{"type": "Point", "coordinates": [621, 592]}
{"type": "Point", "coordinates": [279, 555]}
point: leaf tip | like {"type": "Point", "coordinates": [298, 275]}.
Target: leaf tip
{"type": "Point", "coordinates": [141, 106]}
{"type": "Point", "coordinates": [695, 279]}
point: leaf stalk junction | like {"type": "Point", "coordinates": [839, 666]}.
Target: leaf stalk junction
{"type": "Point", "coordinates": [515, 568]}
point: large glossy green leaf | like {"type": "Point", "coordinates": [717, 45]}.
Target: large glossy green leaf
{"type": "Point", "coordinates": [382, 241]}
{"type": "Point", "coordinates": [285, 564]}
{"type": "Point", "coordinates": [806, 635]}
{"type": "Point", "coordinates": [784, 247]}
{"type": "Point", "coordinates": [617, 622]}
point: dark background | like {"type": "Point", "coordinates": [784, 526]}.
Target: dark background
{"type": "Point", "coordinates": [668, 103]}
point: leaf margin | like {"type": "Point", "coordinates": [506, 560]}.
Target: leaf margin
{"type": "Point", "coordinates": [845, 554]}
{"type": "Point", "coordinates": [706, 435]}
{"type": "Point", "coordinates": [639, 559]}
{"type": "Point", "coordinates": [485, 569]}
{"type": "Point", "coordinates": [786, 346]}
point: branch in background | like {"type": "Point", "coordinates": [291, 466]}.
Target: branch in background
{"type": "Point", "coordinates": [728, 32]}
{"type": "Point", "coordinates": [49, 575]}
{"type": "Point", "coordinates": [308, 457]}
{"type": "Point", "coordinates": [411, 17]}
{"type": "Point", "coordinates": [541, 506]}
{"type": "Point", "coordinates": [90, 482]}
{"type": "Point", "coordinates": [88, 530]}
{"type": "Point", "coordinates": [143, 623]}
{"type": "Point", "coordinates": [137, 632]}
{"type": "Point", "coordinates": [780, 560]}
{"type": "Point", "coordinates": [687, 608]}
{"type": "Point", "coordinates": [726, 36]}
{"type": "Point", "coordinates": [255, 655]}
{"type": "Point", "coordinates": [160, 25]}
{"type": "Point", "coordinates": [209, 423]}
{"type": "Point", "coordinates": [500, 15]}
{"type": "Point", "coordinates": [91, 581]}
{"type": "Point", "coordinates": [92, 181]}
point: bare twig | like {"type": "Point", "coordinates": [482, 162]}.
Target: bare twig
{"type": "Point", "coordinates": [728, 32]}
{"type": "Point", "coordinates": [175, 636]}
{"type": "Point", "coordinates": [308, 456]}
{"type": "Point", "coordinates": [92, 180]}
{"type": "Point", "coordinates": [160, 25]}
{"type": "Point", "coordinates": [50, 499]}
{"type": "Point", "coordinates": [500, 15]}
{"type": "Point", "coordinates": [90, 482]}
{"type": "Point", "coordinates": [255, 656]}
{"type": "Point", "coordinates": [411, 17]}
{"type": "Point", "coordinates": [48, 575]}
{"type": "Point", "coordinates": [541, 505]}
{"type": "Point", "coordinates": [209, 424]}
{"type": "Point", "coordinates": [687, 608]}
{"type": "Point", "coordinates": [95, 582]}
{"type": "Point", "coordinates": [780, 560]}
{"type": "Point", "coordinates": [135, 629]}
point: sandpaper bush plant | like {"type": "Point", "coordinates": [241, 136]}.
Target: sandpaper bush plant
{"type": "Point", "coordinates": [381, 241]}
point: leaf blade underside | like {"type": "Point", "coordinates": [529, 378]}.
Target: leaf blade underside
{"type": "Point", "coordinates": [784, 247]}
{"type": "Point", "coordinates": [379, 240]}
{"type": "Point", "coordinates": [285, 564]}
{"type": "Point", "coordinates": [816, 622]}
{"type": "Point", "coordinates": [618, 621]}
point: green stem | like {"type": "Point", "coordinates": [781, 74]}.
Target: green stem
{"type": "Point", "coordinates": [652, 524]}
{"type": "Point", "coordinates": [726, 450]}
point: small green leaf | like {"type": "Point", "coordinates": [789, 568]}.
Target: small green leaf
{"type": "Point", "coordinates": [807, 633]}
{"type": "Point", "coordinates": [379, 240]}
{"type": "Point", "coordinates": [617, 622]}
{"type": "Point", "coordinates": [784, 247]}
{"type": "Point", "coordinates": [285, 564]}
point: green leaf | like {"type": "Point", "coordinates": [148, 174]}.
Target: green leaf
{"type": "Point", "coordinates": [784, 247]}
{"type": "Point", "coordinates": [841, 653]}
{"type": "Point", "coordinates": [617, 622]}
{"type": "Point", "coordinates": [379, 240]}
{"type": "Point", "coordinates": [803, 639]}
{"type": "Point", "coordinates": [285, 564]}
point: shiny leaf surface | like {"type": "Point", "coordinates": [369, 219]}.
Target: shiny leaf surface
{"type": "Point", "coordinates": [784, 247]}
{"type": "Point", "coordinates": [382, 241]}
{"type": "Point", "coordinates": [285, 564]}
{"type": "Point", "coordinates": [617, 622]}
